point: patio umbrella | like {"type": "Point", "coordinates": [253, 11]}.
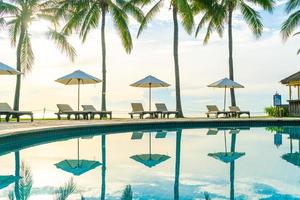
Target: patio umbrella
{"type": "Point", "coordinates": [77, 166]}
{"type": "Point", "coordinates": [225, 83]}
{"type": "Point", "coordinates": [7, 70]}
{"type": "Point", "coordinates": [150, 160]}
{"type": "Point", "coordinates": [150, 82]}
{"type": "Point", "coordinates": [7, 180]}
{"type": "Point", "coordinates": [78, 78]}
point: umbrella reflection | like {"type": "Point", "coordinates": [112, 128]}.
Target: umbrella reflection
{"type": "Point", "coordinates": [150, 160]}
{"type": "Point", "coordinates": [229, 157]}
{"type": "Point", "coordinates": [77, 166]}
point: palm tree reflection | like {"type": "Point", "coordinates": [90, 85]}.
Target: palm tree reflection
{"type": "Point", "coordinates": [177, 164]}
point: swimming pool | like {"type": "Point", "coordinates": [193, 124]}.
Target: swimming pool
{"type": "Point", "coordinates": [168, 163]}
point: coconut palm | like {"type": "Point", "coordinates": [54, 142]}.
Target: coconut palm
{"type": "Point", "coordinates": [85, 16]}
{"type": "Point", "coordinates": [182, 9]}
{"type": "Point", "coordinates": [217, 13]}
{"type": "Point", "coordinates": [18, 15]}
{"type": "Point", "coordinates": [292, 22]}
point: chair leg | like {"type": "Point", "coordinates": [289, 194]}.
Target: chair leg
{"type": "Point", "coordinates": [7, 118]}
{"type": "Point", "coordinates": [18, 118]}
{"type": "Point", "coordinates": [31, 116]}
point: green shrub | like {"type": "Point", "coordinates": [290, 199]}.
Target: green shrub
{"type": "Point", "coordinates": [281, 111]}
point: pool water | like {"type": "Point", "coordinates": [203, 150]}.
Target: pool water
{"type": "Point", "coordinates": [224, 163]}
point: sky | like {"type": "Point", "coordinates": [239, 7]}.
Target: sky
{"type": "Point", "coordinates": [259, 65]}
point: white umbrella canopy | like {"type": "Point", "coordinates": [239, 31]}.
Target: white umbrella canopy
{"type": "Point", "coordinates": [78, 77]}
{"type": "Point", "coordinates": [150, 82]}
{"type": "Point", "coordinates": [7, 70]}
{"type": "Point", "coordinates": [225, 83]}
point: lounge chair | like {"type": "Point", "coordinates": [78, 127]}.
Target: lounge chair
{"type": "Point", "coordinates": [65, 109]}
{"type": "Point", "coordinates": [137, 109]}
{"type": "Point", "coordinates": [93, 111]}
{"type": "Point", "coordinates": [214, 110]}
{"type": "Point", "coordinates": [238, 112]}
{"type": "Point", "coordinates": [161, 107]}
{"type": "Point", "coordinates": [6, 110]}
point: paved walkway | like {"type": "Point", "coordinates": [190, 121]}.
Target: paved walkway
{"type": "Point", "coordinates": [14, 127]}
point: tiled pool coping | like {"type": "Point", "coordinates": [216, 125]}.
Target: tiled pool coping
{"type": "Point", "coordinates": [13, 128]}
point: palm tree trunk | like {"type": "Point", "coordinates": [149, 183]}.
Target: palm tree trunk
{"type": "Point", "coordinates": [19, 68]}
{"type": "Point", "coordinates": [175, 54]}
{"type": "Point", "coordinates": [103, 45]}
{"type": "Point", "coordinates": [177, 165]}
{"type": "Point", "coordinates": [230, 45]}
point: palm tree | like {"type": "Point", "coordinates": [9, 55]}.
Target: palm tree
{"type": "Point", "coordinates": [289, 25]}
{"type": "Point", "coordinates": [180, 8]}
{"type": "Point", "coordinates": [18, 16]}
{"type": "Point", "coordinates": [85, 15]}
{"type": "Point", "coordinates": [220, 12]}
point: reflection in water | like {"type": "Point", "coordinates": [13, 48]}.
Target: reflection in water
{"type": "Point", "coordinates": [23, 183]}
{"type": "Point", "coordinates": [79, 166]}
{"type": "Point", "coordinates": [127, 193]}
{"type": "Point", "coordinates": [177, 164]}
{"type": "Point", "coordinates": [103, 173]}
{"type": "Point", "coordinates": [293, 157]}
{"type": "Point", "coordinates": [151, 160]}
{"type": "Point", "coordinates": [182, 179]}
{"type": "Point", "coordinates": [229, 157]}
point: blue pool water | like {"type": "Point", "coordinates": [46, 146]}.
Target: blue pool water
{"type": "Point", "coordinates": [224, 163]}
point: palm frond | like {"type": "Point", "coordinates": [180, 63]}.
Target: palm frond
{"type": "Point", "coordinates": [127, 193]}
{"type": "Point", "coordinates": [132, 9]}
{"type": "Point", "coordinates": [74, 21]}
{"type": "Point", "coordinates": [91, 20]}
{"type": "Point", "coordinates": [11, 195]}
{"type": "Point", "coordinates": [209, 31]}
{"type": "Point", "coordinates": [206, 17]}
{"type": "Point", "coordinates": [267, 5]}
{"type": "Point", "coordinates": [14, 27]}
{"type": "Point", "coordinates": [186, 14]}
{"type": "Point", "coordinates": [2, 22]}
{"type": "Point", "coordinates": [290, 24]}
{"type": "Point", "coordinates": [150, 15]}
{"type": "Point", "coordinates": [7, 8]}
{"type": "Point", "coordinates": [63, 192]}
{"type": "Point", "coordinates": [121, 23]}
{"type": "Point", "coordinates": [252, 18]}
{"type": "Point", "coordinates": [26, 180]}
{"type": "Point", "coordinates": [27, 57]}
{"type": "Point", "coordinates": [291, 5]}
{"type": "Point", "coordinates": [62, 43]}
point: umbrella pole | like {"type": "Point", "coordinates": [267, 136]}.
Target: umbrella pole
{"type": "Point", "coordinates": [78, 95]}
{"type": "Point", "coordinates": [291, 145]}
{"type": "Point", "coordinates": [78, 152]}
{"type": "Point", "coordinates": [150, 145]}
{"type": "Point", "coordinates": [150, 97]}
{"type": "Point", "coordinates": [224, 99]}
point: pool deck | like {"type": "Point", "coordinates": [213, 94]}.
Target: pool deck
{"type": "Point", "coordinates": [12, 128]}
